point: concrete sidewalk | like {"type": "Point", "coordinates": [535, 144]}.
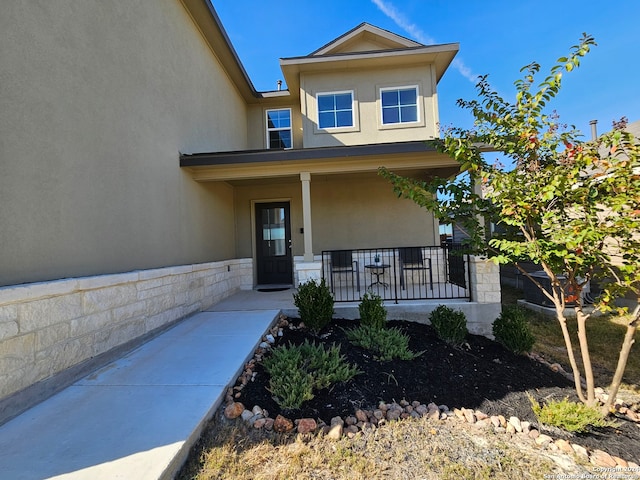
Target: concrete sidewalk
{"type": "Point", "coordinates": [137, 417]}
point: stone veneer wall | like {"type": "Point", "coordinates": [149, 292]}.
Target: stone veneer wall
{"type": "Point", "coordinates": [51, 327]}
{"type": "Point", "coordinates": [485, 280]}
{"type": "Point", "coordinates": [305, 271]}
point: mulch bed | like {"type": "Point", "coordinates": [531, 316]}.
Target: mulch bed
{"type": "Point", "coordinates": [480, 374]}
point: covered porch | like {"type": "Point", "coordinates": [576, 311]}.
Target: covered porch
{"type": "Point", "coordinates": [290, 206]}
{"type": "Point", "coordinates": [297, 211]}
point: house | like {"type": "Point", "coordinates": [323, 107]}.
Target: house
{"type": "Point", "coordinates": [144, 178]}
{"type": "Point", "coordinates": [364, 100]}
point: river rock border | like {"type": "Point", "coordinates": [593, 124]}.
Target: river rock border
{"type": "Point", "coordinates": [363, 420]}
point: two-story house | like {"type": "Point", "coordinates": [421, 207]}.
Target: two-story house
{"type": "Point", "coordinates": [367, 99]}
{"type": "Point", "coordinates": [143, 177]}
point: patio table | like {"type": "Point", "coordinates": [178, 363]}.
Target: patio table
{"type": "Point", "coordinates": [378, 270]}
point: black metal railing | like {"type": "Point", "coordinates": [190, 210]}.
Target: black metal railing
{"type": "Point", "coordinates": [397, 273]}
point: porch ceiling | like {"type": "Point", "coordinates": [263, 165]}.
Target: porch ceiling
{"type": "Point", "coordinates": [409, 158]}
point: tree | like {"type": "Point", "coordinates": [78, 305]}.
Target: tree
{"type": "Point", "coordinates": [570, 206]}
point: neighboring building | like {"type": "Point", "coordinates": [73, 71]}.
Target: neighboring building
{"type": "Point", "coordinates": [144, 178]}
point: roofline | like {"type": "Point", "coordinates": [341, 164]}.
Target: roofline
{"type": "Point", "coordinates": [206, 19]}
{"type": "Point", "coordinates": [440, 55]}
{"type": "Point", "coordinates": [440, 47]}
{"type": "Point", "coordinates": [317, 153]}
{"type": "Point", "coordinates": [355, 29]}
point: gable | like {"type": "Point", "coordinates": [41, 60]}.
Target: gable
{"type": "Point", "coordinates": [365, 38]}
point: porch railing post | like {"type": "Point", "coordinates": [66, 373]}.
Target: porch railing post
{"type": "Point", "coordinates": [305, 178]}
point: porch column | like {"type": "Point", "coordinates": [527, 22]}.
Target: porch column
{"type": "Point", "coordinates": [305, 178]}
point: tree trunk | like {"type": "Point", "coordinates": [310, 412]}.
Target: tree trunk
{"type": "Point", "coordinates": [569, 344]}
{"type": "Point", "coordinates": [622, 361]}
{"type": "Point", "coordinates": [584, 351]}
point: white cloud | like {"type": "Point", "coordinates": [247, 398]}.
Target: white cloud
{"type": "Point", "coordinates": [399, 19]}
{"type": "Point", "coordinates": [414, 31]}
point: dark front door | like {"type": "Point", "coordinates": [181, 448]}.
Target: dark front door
{"type": "Point", "coordinates": [273, 242]}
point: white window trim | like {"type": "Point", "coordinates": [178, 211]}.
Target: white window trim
{"type": "Point", "coordinates": [354, 122]}
{"type": "Point", "coordinates": [267, 129]}
{"type": "Point", "coordinates": [418, 121]}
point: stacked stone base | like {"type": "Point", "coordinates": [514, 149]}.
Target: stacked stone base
{"type": "Point", "coordinates": [52, 333]}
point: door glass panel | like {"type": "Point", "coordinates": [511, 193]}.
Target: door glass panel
{"type": "Point", "coordinates": [273, 232]}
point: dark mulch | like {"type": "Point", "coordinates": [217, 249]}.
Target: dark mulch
{"type": "Point", "coordinates": [480, 374]}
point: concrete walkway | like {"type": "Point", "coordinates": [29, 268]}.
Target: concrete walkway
{"type": "Point", "coordinates": [137, 417]}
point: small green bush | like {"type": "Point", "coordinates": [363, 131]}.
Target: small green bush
{"type": "Point", "coordinates": [385, 343]}
{"type": "Point", "coordinates": [372, 311]}
{"type": "Point", "coordinates": [297, 370]}
{"type": "Point", "coordinates": [512, 330]}
{"type": "Point", "coordinates": [315, 304]}
{"type": "Point", "coordinates": [570, 416]}
{"type": "Point", "coordinates": [450, 325]}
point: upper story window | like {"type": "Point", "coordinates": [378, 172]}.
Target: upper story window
{"type": "Point", "coordinates": [399, 105]}
{"type": "Point", "coordinates": [335, 110]}
{"type": "Point", "coordinates": [279, 128]}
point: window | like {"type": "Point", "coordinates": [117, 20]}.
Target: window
{"type": "Point", "coordinates": [399, 105]}
{"type": "Point", "coordinates": [335, 110]}
{"type": "Point", "coordinates": [279, 128]}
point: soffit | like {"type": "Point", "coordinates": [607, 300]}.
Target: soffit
{"type": "Point", "coordinates": [423, 174]}
{"type": "Point", "coordinates": [417, 157]}
{"type": "Point", "coordinates": [439, 55]}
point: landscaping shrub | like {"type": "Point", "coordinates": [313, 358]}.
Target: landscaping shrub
{"type": "Point", "coordinates": [372, 311]}
{"type": "Point", "coordinates": [315, 304]}
{"type": "Point", "coordinates": [450, 325]}
{"type": "Point", "coordinates": [570, 416]}
{"type": "Point", "coordinates": [296, 371]}
{"type": "Point", "coordinates": [385, 343]}
{"type": "Point", "coordinates": [512, 330]}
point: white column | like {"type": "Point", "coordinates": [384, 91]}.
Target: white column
{"type": "Point", "coordinates": [305, 178]}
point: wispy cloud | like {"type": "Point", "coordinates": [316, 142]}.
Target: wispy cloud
{"type": "Point", "coordinates": [399, 19]}
{"type": "Point", "coordinates": [414, 31]}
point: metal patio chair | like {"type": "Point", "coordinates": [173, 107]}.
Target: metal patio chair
{"type": "Point", "coordinates": [342, 262]}
{"type": "Point", "coordinates": [410, 259]}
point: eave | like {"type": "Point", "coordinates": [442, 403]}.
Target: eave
{"type": "Point", "coordinates": [208, 23]}
{"type": "Point", "coordinates": [439, 55]}
{"type": "Point", "coordinates": [261, 164]}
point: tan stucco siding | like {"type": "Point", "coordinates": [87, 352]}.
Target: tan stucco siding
{"type": "Point", "coordinates": [366, 85]}
{"type": "Point", "coordinates": [347, 212]}
{"type": "Point", "coordinates": [98, 99]}
{"type": "Point", "coordinates": [257, 124]}
{"type": "Point", "coordinates": [350, 213]}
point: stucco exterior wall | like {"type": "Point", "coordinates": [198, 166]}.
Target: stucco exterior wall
{"type": "Point", "coordinates": [363, 212]}
{"type": "Point", "coordinates": [348, 212]}
{"type": "Point", "coordinates": [257, 123]}
{"type": "Point", "coordinates": [366, 86]}
{"type": "Point", "coordinates": [98, 99]}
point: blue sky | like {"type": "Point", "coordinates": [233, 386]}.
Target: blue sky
{"type": "Point", "coordinates": [497, 37]}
